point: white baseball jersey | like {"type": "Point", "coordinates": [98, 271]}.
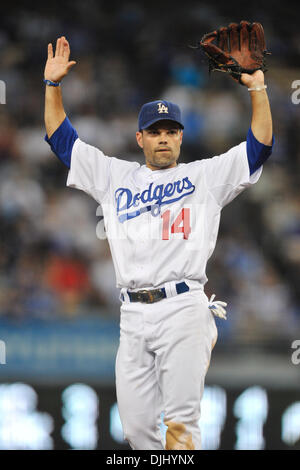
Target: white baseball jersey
{"type": "Point", "coordinates": [161, 225]}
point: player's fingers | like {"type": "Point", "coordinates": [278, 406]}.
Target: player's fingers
{"type": "Point", "coordinates": [223, 304]}
{"type": "Point", "coordinates": [66, 49]}
{"type": "Point", "coordinates": [50, 51]}
{"type": "Point", "coordinates": [60, 47]}
{"type": "Point", "coordinates": [71, 64]}
{"type": "Point", "coordinates": [56, 46]}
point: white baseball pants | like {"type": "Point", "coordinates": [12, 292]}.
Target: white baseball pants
{"type": "Point", "coordinates": [162, 360]}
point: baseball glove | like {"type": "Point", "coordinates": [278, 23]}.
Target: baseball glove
{"type": "Point", "coordinates": [239, 48]}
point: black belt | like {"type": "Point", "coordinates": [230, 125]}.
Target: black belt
{"type": "Point", "coordinates": [154, 295]}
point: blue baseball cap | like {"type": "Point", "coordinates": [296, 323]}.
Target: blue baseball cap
{"type": "Point", "coordinates": [157, 111]}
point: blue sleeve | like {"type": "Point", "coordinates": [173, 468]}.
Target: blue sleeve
{"type": "Point", "coordinates": [257, 152]}
{"type": "Point", "coordinates": [62, 141]}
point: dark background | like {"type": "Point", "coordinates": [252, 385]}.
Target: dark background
{"type": "Point", "coordinates": [50, 402]}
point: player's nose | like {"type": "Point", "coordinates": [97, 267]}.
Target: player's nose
{"type": "Point", "coordinates": [163, 139]}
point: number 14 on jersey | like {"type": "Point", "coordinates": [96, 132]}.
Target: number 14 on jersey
{"type": "Point", "coordinates": [181, 224]}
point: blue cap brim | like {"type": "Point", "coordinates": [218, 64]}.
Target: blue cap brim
{"type": "Point", "coordinates": [161, 119]}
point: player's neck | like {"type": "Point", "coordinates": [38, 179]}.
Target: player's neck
{"type": "Point", "coordinates": [153, 168]}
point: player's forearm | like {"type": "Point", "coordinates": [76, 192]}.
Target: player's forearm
{"type": "Point", "coordinates": [54, 109]}
{"type": "Point", "coordinates": [261, 123]}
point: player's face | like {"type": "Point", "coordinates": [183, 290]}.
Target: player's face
{"type": "Point", "coordinates": [161, 144]}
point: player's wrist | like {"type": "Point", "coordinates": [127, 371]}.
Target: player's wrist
{"type": "Point", "coordinates": [257, 87]}
{"type": "Point", "coordinates": [53, 83]}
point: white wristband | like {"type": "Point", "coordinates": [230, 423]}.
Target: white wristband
{"type": "Point", "coordinates": [258, 88]}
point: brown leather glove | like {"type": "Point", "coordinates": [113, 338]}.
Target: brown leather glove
{"type": "Point", "coordinates": [239, 48]}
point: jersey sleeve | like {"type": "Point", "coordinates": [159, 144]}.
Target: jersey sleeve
{"type": "Point", "coordinates": [89, 170]}
{"type": "Point", "coordinates": [62, 141]}
{"type": "Point", "coordinates": [257, 152]}
{"type": "Point", "coordinates": [228, 174]}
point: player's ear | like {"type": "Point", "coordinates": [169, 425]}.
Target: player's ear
{"type": "Point", "coordinates": [181, 135]}
{"type": "Point", "coordinates": [139, 138]}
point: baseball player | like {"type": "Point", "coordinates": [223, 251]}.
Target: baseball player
{"type": "Point", "coordinates": [162, 221]}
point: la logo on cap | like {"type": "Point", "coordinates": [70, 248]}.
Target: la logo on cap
{"type": "Point", "coordinates": [162, 108]}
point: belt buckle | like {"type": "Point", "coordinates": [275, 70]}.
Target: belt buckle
{"type": "Point", "coordinates": [141, 296]}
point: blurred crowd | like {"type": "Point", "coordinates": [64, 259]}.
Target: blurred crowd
{"type": "Point", "coordinates": [52, 264]}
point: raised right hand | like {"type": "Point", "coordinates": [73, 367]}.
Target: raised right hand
{"type": "Point", "coordinates": [58, 66]}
